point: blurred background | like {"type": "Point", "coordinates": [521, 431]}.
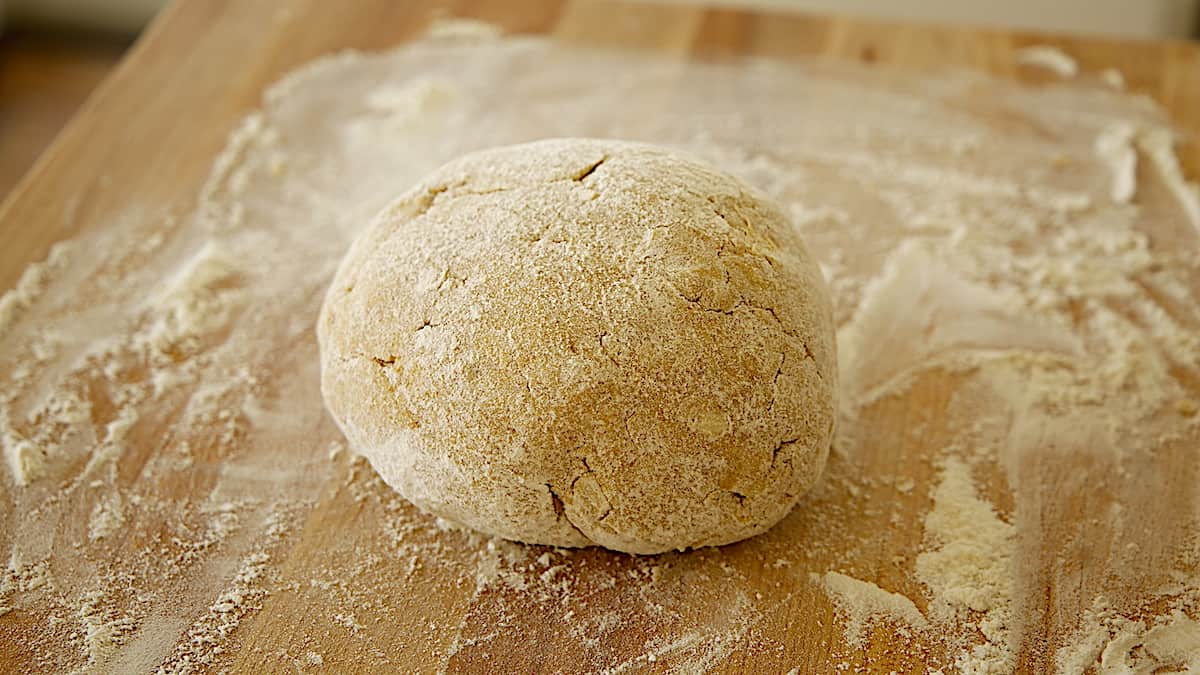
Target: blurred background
{"type": "Point", "coordinates": [53, 53]}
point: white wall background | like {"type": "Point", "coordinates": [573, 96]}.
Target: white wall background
{"type": "Point", "coordinates": [1123, 18]}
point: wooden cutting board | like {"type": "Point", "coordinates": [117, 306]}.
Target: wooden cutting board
{"type": "Point", "coordinates": [202, 65]}
{"type": "Point", "coordinates": [149, 136]}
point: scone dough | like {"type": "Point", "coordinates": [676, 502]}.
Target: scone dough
{"type": "Point", "coordinates": [577, 342]}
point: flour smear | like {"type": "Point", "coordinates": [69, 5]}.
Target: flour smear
{"type": "Point", "coordinates": [1015, 281]}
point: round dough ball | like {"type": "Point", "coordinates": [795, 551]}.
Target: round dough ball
{"type": "Point", "coordinates": [577, 342]}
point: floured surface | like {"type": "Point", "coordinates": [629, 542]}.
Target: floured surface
{"type": "Point", "coordinates": [1018, 337]}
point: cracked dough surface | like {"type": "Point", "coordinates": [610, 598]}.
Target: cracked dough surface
{"type": "Point", "coordinates": [576, 342]}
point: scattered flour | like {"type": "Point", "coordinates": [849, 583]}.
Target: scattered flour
{"type": "Point", "coordinates": [1172, 642]}
{"type": "Point", "coordinates": [462, 28]}
{"type": "Point", "coordinates": [207, 637]}
{"type": "Point", "coordinates": [1029, 251]}
{"type": "Point", "coordinates": [969, 569]}
{"type": "Point", "coordinates": [1114, 146]}
{"type": "Point", "coordinates": [1113, 78]}
{"type": "Point", "coordinates": [1052, 59]}
{"type": "Point", "coordinates": [30, 286]}
{"type": "Point", "coordinates": [1159, 145]}
{"type": "Point", "coordinates": [104, 632]}
{"type": "Point", "coordinates": [864, 602]}
{"type": "Point", "coordinates": [1168, 643]}
{"type": "Point", "coordinates": [107, 517]}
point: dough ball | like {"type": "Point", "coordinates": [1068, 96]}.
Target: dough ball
{"type": "Point", "coordinates": [577, 342]}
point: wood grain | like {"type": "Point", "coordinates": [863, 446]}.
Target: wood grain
{"type": "Point", "coordinates": [148, 136]}
{"type": "Point", "coordinates": [178, 77]}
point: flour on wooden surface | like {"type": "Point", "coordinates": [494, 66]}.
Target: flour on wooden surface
{"type": "Point", "coordinates": [1113, 78]}
{"type": "Point", "coordinates": [968, 566]}
{"type": "Point", "coordinates": [864, 602]}
{"type": "Point", "coordinates": [1114, 145]}
{"type": "Point", "coordinates": [107, 517]}
{"type": "Point", "coordinates": [1015, 282]}
{"type": "Point", "coordinates": [1052, 59]}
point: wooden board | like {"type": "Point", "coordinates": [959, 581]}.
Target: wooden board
{"type": "Point", "coordinates": [44, 81]}
{"type": "Point", "coordinates": [150, 135]}
{"type": "Point", "coordinates": [206, 64]}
